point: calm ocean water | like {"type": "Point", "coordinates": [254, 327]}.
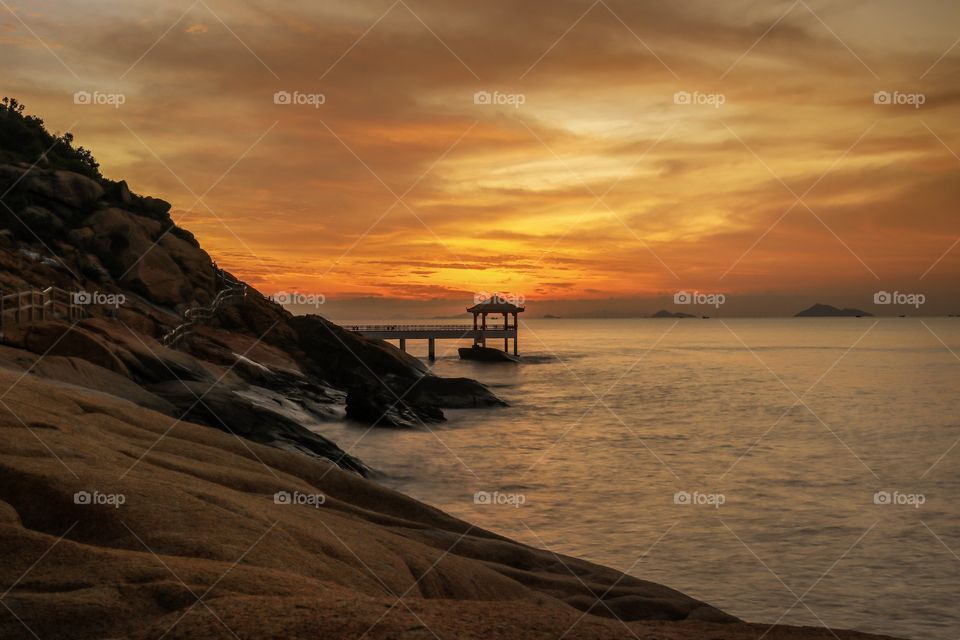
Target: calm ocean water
{"type": "Point", "coordinates": [736, 460]}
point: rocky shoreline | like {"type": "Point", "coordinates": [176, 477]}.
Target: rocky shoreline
{"type": "Point", "coordinates": [155, 492]}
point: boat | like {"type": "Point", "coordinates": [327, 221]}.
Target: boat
{"type": "Point", "coordinates": [486, 354]}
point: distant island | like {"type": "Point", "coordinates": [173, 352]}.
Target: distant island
{"type": "Point", "coordinates": [663, 313]}
{"type": "Point", "coordinates": [826, 311]}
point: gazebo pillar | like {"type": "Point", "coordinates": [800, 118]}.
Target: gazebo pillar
{"type": "Point", "coordinates": [432, 349]}
{"type": "Point", "coordinates": [506, 327]}
{"type": "Point", "coordinates": [516, 332]}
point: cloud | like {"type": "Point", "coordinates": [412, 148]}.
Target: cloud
{"type": "Point", "coordinates": [598, 182]}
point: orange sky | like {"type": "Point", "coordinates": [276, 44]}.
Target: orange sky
{"type": "Point", "coordinates": [598, 186]}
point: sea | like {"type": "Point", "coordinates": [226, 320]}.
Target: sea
{"type": "Point", "coordinates": [801, 471]}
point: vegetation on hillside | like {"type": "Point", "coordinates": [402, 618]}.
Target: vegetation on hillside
{"type": "Point", "coordinates": [24, 138]}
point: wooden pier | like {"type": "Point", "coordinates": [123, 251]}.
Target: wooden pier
{"type": "Point", "coordinates": [480, 331]}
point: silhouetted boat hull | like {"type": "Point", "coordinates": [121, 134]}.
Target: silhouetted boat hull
{"type": "Point", "coordinates": [486, 354]}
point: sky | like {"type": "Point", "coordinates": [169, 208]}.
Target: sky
{"type": "Point", "coordinates": [402, 157]}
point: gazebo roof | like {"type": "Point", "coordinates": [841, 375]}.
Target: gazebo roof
{"type": "Point", "coordinates": [495, 304]}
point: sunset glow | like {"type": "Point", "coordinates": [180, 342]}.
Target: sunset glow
{"type": "Point", "coordinates": [592, 178]}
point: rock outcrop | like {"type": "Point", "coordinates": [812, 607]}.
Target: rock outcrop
{"type": "Point", "coordinates": [66, 226]}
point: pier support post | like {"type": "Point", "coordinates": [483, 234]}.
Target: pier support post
{"type": "Point", "coordinates": [432, 349]}
{"type": "Point", "coordinates": [515, 345]}
{"type": "Point", "coordinates": [403, 344]}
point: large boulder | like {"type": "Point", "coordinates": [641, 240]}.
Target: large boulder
{"type": "Point", "coordinates": [60, 339]}
{"type": "Point", "coordinates": [378, 406]}
{"type": "Point", "coordinates": [453, 393]}
{"type": "Point", "coordinates": [69, 188]}
{"type": "Point", "coordinates": [128, 245]}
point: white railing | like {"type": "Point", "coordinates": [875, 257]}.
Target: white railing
{"type": "Point", "coordinates": [195, 316]}
{"type": "Point", "coordinates": [409, 327]}
{"type": "Point", "coordinates": [38, 305]}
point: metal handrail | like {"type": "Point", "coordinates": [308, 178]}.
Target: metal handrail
{"type": "Point", "coordinates": [36, 305]}
{"type": "Point", "coordinates": [195, 315]}
{"type": "Point", "coordinates": [424, 327]}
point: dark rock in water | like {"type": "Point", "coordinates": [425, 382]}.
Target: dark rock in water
{"type": "Point", "coordinates": [827, 311]}
{"type": "Point", "coordinates": [377, 406]}
{"type": "Point", "coordinates": [663, 313]}
{"type": "Point", "coordinates": [228, 411]}
{"type": "Point", "coordinates": [454, 393]}
{"type": "Point", "coordinates": [486, 354]}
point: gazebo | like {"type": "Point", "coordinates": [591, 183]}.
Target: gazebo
{"type": "Point", "coordinates": [496, 305]}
